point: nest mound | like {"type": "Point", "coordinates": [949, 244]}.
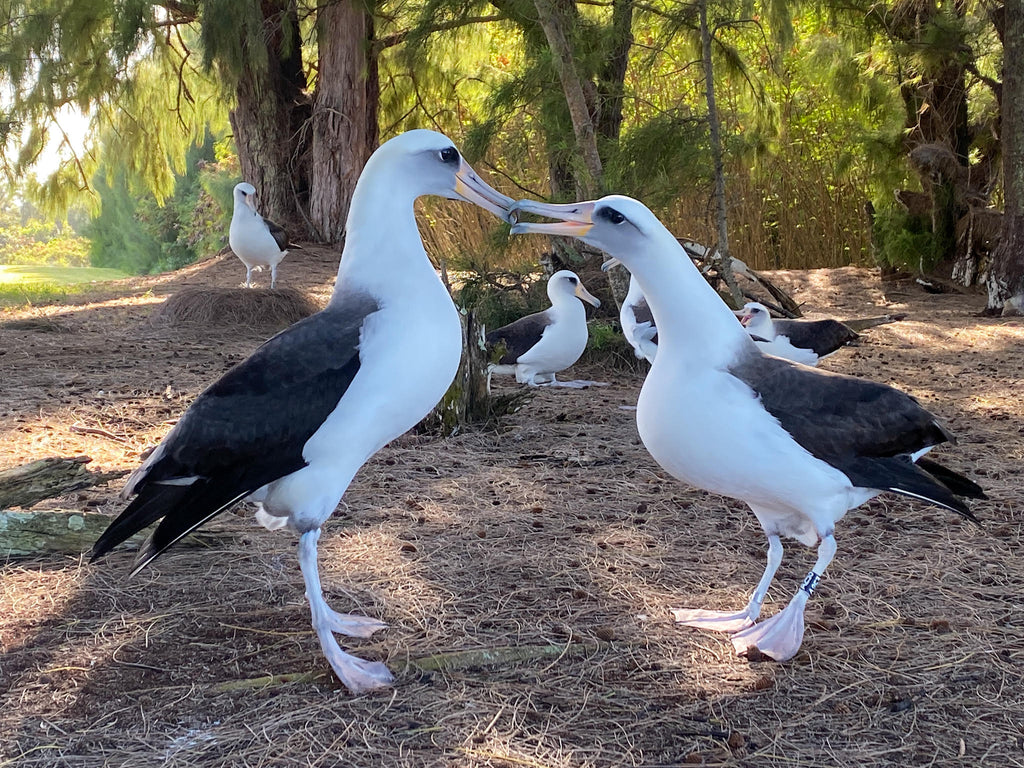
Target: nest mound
{"type": "Point", "coordinates": [232, 307]}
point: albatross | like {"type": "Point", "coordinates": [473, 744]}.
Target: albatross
{"type": "Point", "coordinates": [538, 346]}
{"type": "Point", "coordinates": [800, 446]}
{"type": "Point", "coordinates": [641, 332]}
{"type": "Point", "coordinates": [256, 241]}
{"type": "Point", "coordinates": [290, 426]}
{"type": "Point", "coordinates": [807, 337]}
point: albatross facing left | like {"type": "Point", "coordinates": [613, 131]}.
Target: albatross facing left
{"type": "Point", "coordinates": [256, 241]}
{"type": "Point", "coordinates": [800, 446]}
{"type": "Point", "coordinates": [291, 425]}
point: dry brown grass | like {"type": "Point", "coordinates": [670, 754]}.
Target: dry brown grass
{"type": "Point", "coordinates": [557, 531]}
{"type": "Point", "coordinates": [235, 307]}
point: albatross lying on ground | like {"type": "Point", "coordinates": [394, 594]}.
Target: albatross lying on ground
{"type": "Point", "coordinates": [538, 346]}
{"type": "Point", "coordinates": [807, 337]}
{"type": "Point", "coordinates": [641, 332]}
{"type": "Point", "coordinates": [258, 242]}
{"type": "Point", "coordinates": [291, 425]}
{"type": "Point", "coordinates": [800, 446]}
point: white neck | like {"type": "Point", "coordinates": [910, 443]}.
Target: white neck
{"type": "Point", "coordinates": [384, 253]}
{"type": "Point", "coordinates": [762, 326]}
{"type": "Point", "coordinates": [693, 322]}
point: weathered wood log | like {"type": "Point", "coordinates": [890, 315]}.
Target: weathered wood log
{"type": "Point", "coordinates": [34, 533]}
{"type": "Point", "coordinates": [31, 483]}
{"type": "Point", "coordinates": [863, 323]}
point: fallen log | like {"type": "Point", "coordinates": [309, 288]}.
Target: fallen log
{"type": "Point", "coordinates": [24, 534]}
{"type": "Point", "coordinates": [863, 323]}
{"type": "Point", "coordinates": [44, 479]}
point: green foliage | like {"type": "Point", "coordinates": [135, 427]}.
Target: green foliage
{"type": "Point", "coordinates": [501, 298]}
{"type": "Point", "coordinates": [28, 239]}
{"type": "Point", "coordinates": [138, 235]}
{"type": "Point", "coordinates": [902, 240]}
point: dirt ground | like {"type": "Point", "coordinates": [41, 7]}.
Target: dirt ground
{"type": "Point", "coordinates": [540, 560]}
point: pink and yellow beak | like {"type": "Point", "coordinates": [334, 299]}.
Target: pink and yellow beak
{"type": "Point", "coordinates": [575, 219]}
{"type": "Point", "coordinates": [473, 189]}
{"type": "Point", "coordinates": [584, 295]}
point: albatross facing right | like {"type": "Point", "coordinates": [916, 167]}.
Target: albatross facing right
{"type": "Point", "coordinates": [800, 446]}
{"type": "Point", "coordinates": [290, 426]}
{"type": "Point", "coordinates": [538, 346]}
{"type": "Point", "coordinates": [256, 241]}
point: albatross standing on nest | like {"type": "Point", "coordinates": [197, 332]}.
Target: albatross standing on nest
{"type": "Point", "coordinates": [538, 346]}
{"type": "Point", "coordinates": [800, 446]}
{"type": "Point", "coordinates": [258, 242]}
{"type": "Point", "coordinates": [291, 425]}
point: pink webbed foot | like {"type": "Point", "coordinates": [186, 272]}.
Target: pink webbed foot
{"type": "Point", "coordinates": [780, 636]}
{"type": "Point", "coordinates": [351, 625]}
{"type": "Point", "coordinates": [717, 621]}
{"type": "Point", "coordinates": [358, 675]}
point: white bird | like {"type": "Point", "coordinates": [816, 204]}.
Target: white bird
{"type": "Point", "coordinates": [538, 346]}
{"type": "Point", "coordinates": [638, 323]}
{"type": "Point", "coordinates": [257, 241]}
{"type": "Point", "coordinates": [641, 332]}
{"type": "Point", "coordinates": [796, 338]}
{"type": "Point", "coordinates": [800, 446]}
{"type": "Point", "coordinates": [290, 426]}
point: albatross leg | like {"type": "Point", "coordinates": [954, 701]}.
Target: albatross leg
{"type": "Point", "coordinates": [723, 621]}
{"type": "Point", "coordinates": [273, 276]}
{"type": "Point", "coordinates": [781, 635]}
{"type": "Point", "coordinates": [358, 675]}
{"type": "Point", "coordinates": [248, 276]}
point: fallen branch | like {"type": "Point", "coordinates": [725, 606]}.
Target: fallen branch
{"type": "Point", "coordinates": [31, 483]}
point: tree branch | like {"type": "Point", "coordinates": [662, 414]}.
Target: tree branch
{"type": "Point", "coordinates": [400, 37]}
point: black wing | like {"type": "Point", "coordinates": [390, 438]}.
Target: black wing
{"type": "Point", "coordinates": [246, 430]}
{"type": "Point", "coordinates": [280, 236]}
{"type": "Point", "coordinates": [862, 428]}
{"type": "Point", "coordinates": [518, 337]}
{"type": "Point", "coordinates": [822, 336]}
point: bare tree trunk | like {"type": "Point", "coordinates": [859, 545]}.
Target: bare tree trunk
{"type": "Point", "coordinates": [344, 114]}
{"type": "Point", "coordinates": [269, 112]}
{"type": "Point", "coordinates": [554, 24]}
{"type": "Point", "coordinates": [725, 265]}
{"type": "Point", "coordinates": [1006, 275]}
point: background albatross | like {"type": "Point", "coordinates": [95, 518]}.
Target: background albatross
{"type": "Point", "coordinates": [290, 426]}
{"type": "Point", "coordinates": [800, 446]}
{"type": "Point", "coordinates": [256, 241]}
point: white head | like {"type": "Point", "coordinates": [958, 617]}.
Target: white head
{"type": "Point", "coordinates": [566, 286]}
{"type": "Point", "coordinates": [620, 226]}
{"type": "Point", "coordinates": [757, 320]}
{"type": "Point", "coordinates": [421, 162]}
{"type": "Point", "coordinates": [245, 194]}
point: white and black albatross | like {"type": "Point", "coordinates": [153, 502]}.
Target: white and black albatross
{"type": "Point", "coordinates": [538, 346]}
{"type": "Point", "coordinates": [290, 426]}
{"type": "Point", "coordinates": [256, 241]}
{"type": "Point", "coordinates": [819, 338]}
{"type": "Point", "coordinates": [641, 332]}
{"type": "Point", "coordinates": [800, 446]}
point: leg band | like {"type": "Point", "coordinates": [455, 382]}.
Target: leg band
{"type": "Point", "coordinates": [810, 583]}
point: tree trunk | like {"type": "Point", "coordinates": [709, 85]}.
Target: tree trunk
{"type": "Point", "coordinates": [344, 114]}
{"type": "Point", "coordinates": [612, 77]}
{"type": "Point", "coordinates": [554, 24]}
{"type": "Point", "coordinates": [1005, 281]}
{"type": "Point", "coordinates": [725, 258]}
{"type": "Point", "coordinates": [269, 114]}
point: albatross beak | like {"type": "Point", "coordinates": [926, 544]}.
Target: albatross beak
{"type": "Point", "coordinates": [576, 218]}
{"type": "Point", "coordinates": [587, 296]}
{"type": "Point", "coordinates": [473, 189]}
{"type": "Point", "coordinates": [250, 200]}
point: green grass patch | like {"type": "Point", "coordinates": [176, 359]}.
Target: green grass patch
{"type": "Point", "coordinates": [19, 274]}
{"type": "Point", "coordinates": [26, 284]}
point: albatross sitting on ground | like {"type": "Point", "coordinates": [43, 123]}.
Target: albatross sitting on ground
{"type": "Point", "coordinates": [291, 425]}
{"type": "Point", "coordinates": [800, 446]}
{"type": "Point", "coordinates": [641, 332]}
{"type": "Point", "coordinates": [538, 346]}
{"type": "Point", "coordinates": [258, 242]}
{"type": "Point", "coordinates": [819, 338]}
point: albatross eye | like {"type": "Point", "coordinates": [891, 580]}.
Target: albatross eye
{"type": "Point", "coordinates": [449, 155]}
{"type": "Point", "coordinates": [610, 214]}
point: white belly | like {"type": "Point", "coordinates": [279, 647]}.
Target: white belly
{"type": "Point", "coordinates": [254, 245]}
{"type": "Point", "coordinates": [407, 362]}
{"type": "Point", "coordinates": [708, 429]}
{"type": "Point", "coordinates": [560, 346]}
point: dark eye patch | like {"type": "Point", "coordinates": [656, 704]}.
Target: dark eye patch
{"type": "Point", "coordinates": [610, 214]}
{"type": "Point", "coordinates": [449, 155]}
